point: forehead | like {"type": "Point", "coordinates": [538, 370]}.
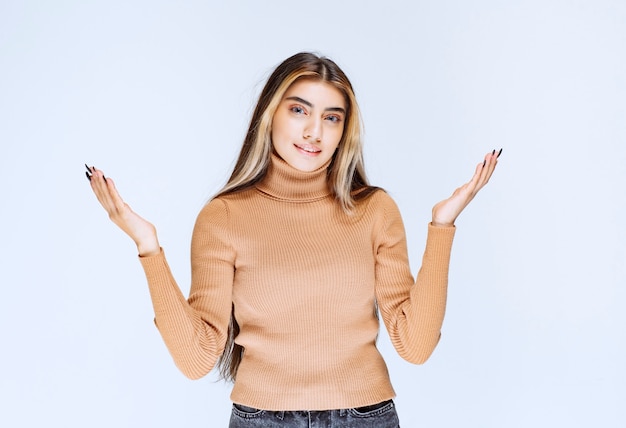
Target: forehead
{"type": "Point", "coordinates": [317, 92]}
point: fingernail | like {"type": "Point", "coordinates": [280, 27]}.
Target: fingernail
{"type": "Point", "coordinates": [88, 176]}
{"type": "Point", "coordinates": [88, 169]}
{"type": "Point", "coordinates": [494, 152]}
{"type": "Point", "coordinates": [484, 163]}
{"type": "Point", "coordinates": [499, 153]}
{"type": "Point", "coordinates": [105, 179]}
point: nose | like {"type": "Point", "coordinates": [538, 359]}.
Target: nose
{"type": "Point", "coordinates": [313, 130]}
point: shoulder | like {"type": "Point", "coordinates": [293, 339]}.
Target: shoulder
{"type": "Point", "coordinates": [221, 209]}
{"type": "Point", "coordinates": [380, 203]}
{"type": "Point", "coordinates": [388, 227]}
{"type": "Point", "coordinates": [216, 206]}
{"type": "Point", "coordinates": [223, 204]}
{"type": "Point", "coordinates": [214, 215]}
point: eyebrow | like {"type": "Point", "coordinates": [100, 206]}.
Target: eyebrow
{"type": "Point", "coordinates": [307, 103]}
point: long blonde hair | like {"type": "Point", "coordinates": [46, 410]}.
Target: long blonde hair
{"type": "Point", "coordinates": [346, 173]}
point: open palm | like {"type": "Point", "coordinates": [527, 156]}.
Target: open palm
{"type": "Point", "coordinates": [446, 212]}
{"type": "Point", "coordinates": [140, 230]}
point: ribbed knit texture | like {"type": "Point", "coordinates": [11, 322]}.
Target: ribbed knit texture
{"type": "Point", "coordinates": [304, 278]}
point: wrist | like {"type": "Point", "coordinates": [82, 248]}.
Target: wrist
{"type": "Point", "coordinates": [148, 247]}
{"type": "Point", "coordinates": [436, 223]}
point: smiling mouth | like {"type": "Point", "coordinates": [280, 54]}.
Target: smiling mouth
{"type": "Point", "coordinates": [308, 149]}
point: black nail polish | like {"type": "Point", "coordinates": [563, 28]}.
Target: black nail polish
{"type": "Point", "coordinates": [494, 152]}
{"type": "Point", "coordinates": [88, 169]}
{"type": "Point", "coordinates": [484, 163]}
{"type": "Point", "coordinates": [88, 176]}
{"type": "Point", "coordinates": [499, 153]}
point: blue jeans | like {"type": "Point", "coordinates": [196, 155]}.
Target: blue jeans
{"type": "Point", "coordinates": [381, 415]}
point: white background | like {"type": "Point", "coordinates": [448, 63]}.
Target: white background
{"type": "Point", "coordinates": [158, 95]}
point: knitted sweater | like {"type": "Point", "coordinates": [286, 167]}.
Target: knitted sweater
{"type": "Point", "coordinates": [304, 279]}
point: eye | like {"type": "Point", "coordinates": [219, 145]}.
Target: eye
{"type": "Point", "coordinates": [297, 110]}
{"type": "Point", "coordinates": [333, 118]}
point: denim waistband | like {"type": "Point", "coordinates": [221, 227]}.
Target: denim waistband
{"type": "Point", "coordinates": [380, 415]}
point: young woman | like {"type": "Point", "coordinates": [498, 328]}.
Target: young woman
{"type": "Point", "coordinates": [294, 260]}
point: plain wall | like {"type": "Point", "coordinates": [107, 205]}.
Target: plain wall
{"type": "Point", "coordinates": [158, 95]}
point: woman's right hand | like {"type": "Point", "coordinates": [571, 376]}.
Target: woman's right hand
{"type": "Point", "coordinates": [141, 231]}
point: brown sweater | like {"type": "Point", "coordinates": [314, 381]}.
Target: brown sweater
{"type": "Point", "coordinates": [304, 279]}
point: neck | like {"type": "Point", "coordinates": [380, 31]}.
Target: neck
{"type": "Point", "coordinates": [285, 182]}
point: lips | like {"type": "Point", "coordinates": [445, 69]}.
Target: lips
{"type": "Point", "coordinates": [309, 149]}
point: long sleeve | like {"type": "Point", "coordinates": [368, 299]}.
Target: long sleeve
{"type": "Point", "coordinates": [412, 312]}
{"type": "Point", "coordinates": [302, 278]}
{"type": "Point", "coordinates": [195, 329]}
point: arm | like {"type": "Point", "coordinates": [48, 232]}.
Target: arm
{"type": "Point", "coordinates": [414, 314]}
{"type": "Point", "coordinates": [413, 311]}
{"type": "Point", "coordinates": [194, 330]}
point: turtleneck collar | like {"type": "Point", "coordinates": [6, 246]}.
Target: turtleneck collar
{"type": "Point", "coordinates": [285, 182]}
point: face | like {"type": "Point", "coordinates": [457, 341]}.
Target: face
{"type": "Point", "coordinates": [308, 124]}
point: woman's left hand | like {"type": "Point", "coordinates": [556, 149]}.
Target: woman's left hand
{"type": "Point", "coordinates": [446, 211]}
